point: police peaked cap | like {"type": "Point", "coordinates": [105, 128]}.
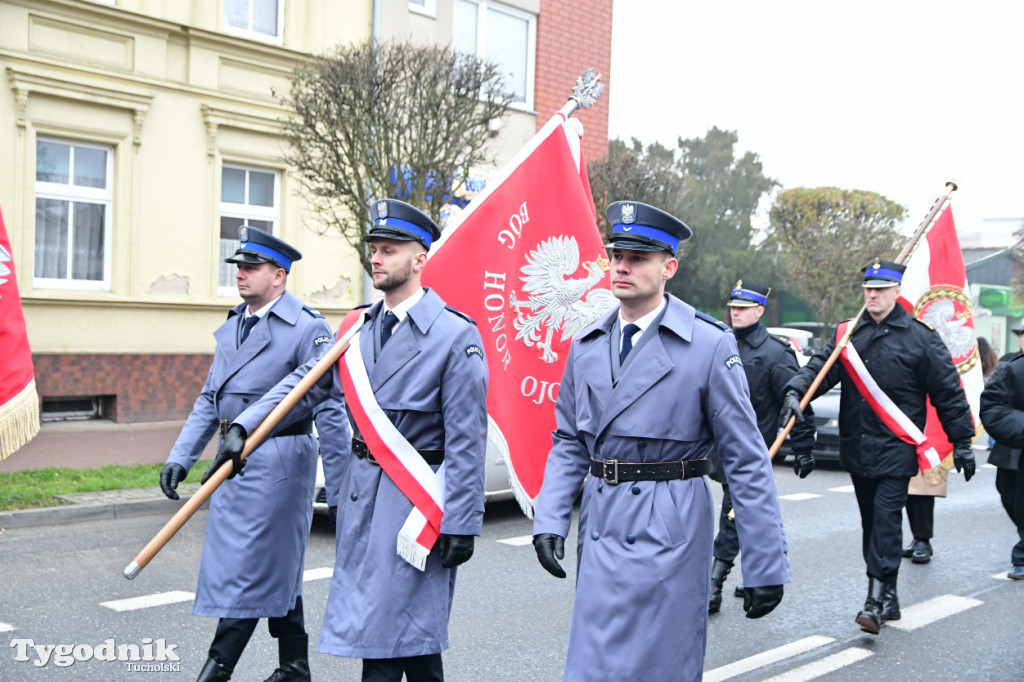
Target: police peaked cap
{"type": "Point", "coordinates": [747, 295]}
{"type": "Point", "coordinates": [879, 274]}
{"type": "Point", "coordinates": [639, 227]}
{"type": "Point", "coordinates": [394, 219]}
{"type": "Point", "coordinates": [258, 246]}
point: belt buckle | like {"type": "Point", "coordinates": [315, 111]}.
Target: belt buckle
{"type": "Point", "coordinates": [613, 479]}
{"type": "Point", "coordinates": [369, 457]}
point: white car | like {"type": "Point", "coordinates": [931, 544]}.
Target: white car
{"type": "Point", "coordinates": [801, 340]}
{"type": "Point", "coordinates": [496, 485]}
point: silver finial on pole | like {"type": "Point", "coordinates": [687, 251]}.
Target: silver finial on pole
{"type": "Point", "coordinates": [587, 89]}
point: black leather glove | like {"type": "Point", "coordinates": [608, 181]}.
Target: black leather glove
{"type": "Point", "coordinates": [230, 449]}
{"type": "Point", "coordinates": [963, 458]}
{"type": "Point", "coordinates": [760, 601]}
{"type": "Point", "coordinates": [455, 549]}
{"type": "Point", "coordinates": [803, 463]}
{"type": "Point", "coordinates": [170, 477]}
{"type": "Point", "coordinates": [549, 546]}
{"type": "Point", "coordinates": [332, 513]}
{"type": "Point", "coordinates": [790, 408]}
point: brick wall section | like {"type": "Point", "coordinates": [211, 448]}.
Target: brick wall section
{"type": "Point", "coordinates": [146, 387]}
{"type": "Point", "coordinates": [573, 36]}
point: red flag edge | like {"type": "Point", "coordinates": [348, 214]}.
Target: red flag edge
{"type": "Point", "coordinates": [19, 420]}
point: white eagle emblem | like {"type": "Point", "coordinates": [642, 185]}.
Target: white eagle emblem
{"type": "Point", "coordinates": [5, 258]}
{"type": "Point", "coordinates": [943, 317]}
{"type": "Point", "coordinates": [556, 302]}
{"type": "Point", "coordinates": [382, 209]}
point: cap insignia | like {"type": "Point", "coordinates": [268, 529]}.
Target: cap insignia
{"type": "Point", "coordinates": [628, 213]}
{"type": "Point", "coordinates": [382, 209]}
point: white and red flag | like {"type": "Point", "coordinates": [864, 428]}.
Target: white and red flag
{"type": "Point", "coordinates": [525, 260]}
{"type": "Point", "coordinates": [19, 406]}
{"type": "Point", "coordinates": [935, 290]}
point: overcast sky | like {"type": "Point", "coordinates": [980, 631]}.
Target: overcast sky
{"type": "Point", "coordinates": [894, 96]}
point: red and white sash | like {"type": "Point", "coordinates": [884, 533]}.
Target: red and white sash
{"type": "Point", "coordinates": [395, 455]}
{"type": "Point", "coordinates": [883, 406]}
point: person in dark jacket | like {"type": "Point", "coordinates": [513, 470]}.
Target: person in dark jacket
{"type": "Point", "coordinates": [909, 364]}
{"type": "Point", "coordinates": [1002, 415]}
{"type": "Point", "coordinates": [768, 362]}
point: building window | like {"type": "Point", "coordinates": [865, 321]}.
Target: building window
{"type": "Point", "coordinates": [424, 7]}
{"type": "Point", "coordinates": [498, 32]}
{"type": "Point", "coordinates": [259, 19]}
{"type": "Point", "coordinates": [248, 196]}
{"type": "Point", "coordinates": [74, 195]}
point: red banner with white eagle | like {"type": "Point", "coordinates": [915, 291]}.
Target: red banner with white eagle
{"type": "Point", "coordinates": [19, 406]}
{"type": "Point", "coordinates": [935, 290]}
{"type": "Point", "coordinates": [525, 260]}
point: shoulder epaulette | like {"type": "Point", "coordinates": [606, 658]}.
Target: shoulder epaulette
{"type": "Point", "coordinates": [461, 314]}
{"type": "Point", "coordinates": [365, 305]}
{"type": "Point", "coordinates": [712, 320]}
{"type": "Point", "coordinates": [781, 339]}
{"type": "Point", "coordinates": [924, 323]}
{"type": "Point", "coordinates": [313, 311]}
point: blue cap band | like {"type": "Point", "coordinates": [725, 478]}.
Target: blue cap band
{"type": "Point", "coordinates": [753, 296]}
{"type": "Point", "coordinates": [882, 272]}
{"type": "Point", "coordinates": [408, 227]}
{"type": "Point", "coordinates": [670, 240]}
{"type": "Point", "coordinates": [280, 258]}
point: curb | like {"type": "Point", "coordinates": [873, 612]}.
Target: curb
{"type": "Point", "coordinates": [78, 513]}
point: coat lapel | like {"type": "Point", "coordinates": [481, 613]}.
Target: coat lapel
{"type": "Point", "coordinates": [404, 345]}
{"type": "Point", "coordinates": [647, 370]}
{"type": "Point", "coordinates": [286, 309]}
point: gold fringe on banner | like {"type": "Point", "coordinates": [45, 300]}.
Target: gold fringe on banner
{"type": "Point", "coordinates": [19, 420]}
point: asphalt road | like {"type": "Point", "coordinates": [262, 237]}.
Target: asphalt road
{"type": "Point", "coordinates": [62, 585]}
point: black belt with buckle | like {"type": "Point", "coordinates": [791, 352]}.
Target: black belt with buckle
{"type": "Point", "coordinates": [613, 471]}
{"type": "Point", "coordinates": [302, 428]}
{"type": "Point", "coordinates": [360, 450]}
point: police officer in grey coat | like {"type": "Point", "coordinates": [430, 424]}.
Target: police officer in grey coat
{"type": "Point", "coordinates": [646, 391]}
{"type": "Point", "coordinates": [768, 362]}
{"type": "Point", "coordinates": [427, 372]}
{"type": "Point", "coordinates": [258, 526]}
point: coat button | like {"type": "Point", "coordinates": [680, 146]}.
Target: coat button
{"type": "Point", "coordinates": [595, 535]}
{"type": "Point", "coordinates": [354, 497]}
{"type": "Point", "coordinates": [635, 490]}
{"type": "Point", "coordinates": [642, 444]}
{"type": "Point", "coordinates": [600, 487]}
{"type": "Point", "coordinates": [245, 400]}
{"type": "Point", "coordinates": [630, 539]}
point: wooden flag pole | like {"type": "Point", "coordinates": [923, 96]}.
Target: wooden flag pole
{"type": "Point", "coordinates": [251, 443]}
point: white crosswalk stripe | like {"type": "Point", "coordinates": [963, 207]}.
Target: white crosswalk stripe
{"type": "Point", "coordinates": [148, 601]}
{"type": "Point", "coordinates": [842, 489]}
{"type": "Point", "coordinates": [823, 666]}
{"type": "Point", "coordinates": [799, 497]}
{"type": "Point", "coordinates": [928, 612]}
{"type": "Point", "coordinates": [766, 658]}
{"type": "Point", "coordinates": [517, 541]}
{"type": "Point", "coordinates": [6, 627]}
{"type": "Point", "coordinates": [317, 573]}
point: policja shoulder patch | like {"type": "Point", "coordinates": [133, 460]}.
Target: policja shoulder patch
{"type": "Point", "coordinates": [474, 350]}
{"type": "Point", "coordinates": [733, 361]}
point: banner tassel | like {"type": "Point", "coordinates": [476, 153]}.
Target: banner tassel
{"type": "Point", "coordinates": [19, 420]}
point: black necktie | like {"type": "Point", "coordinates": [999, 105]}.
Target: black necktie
{"type": "Point", "coordinates": [627, 341]}
{"type": "Point", "coordinates": [390, 320]}
{"type": "Point", "coordinates": [247, 325]}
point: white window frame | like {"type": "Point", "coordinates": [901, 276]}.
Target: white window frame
{"type": "Point", "coordinates": [531, 43]}
{"type": "Point", "coordinates": [231, 29]}
{"type": "Point", "coordinates": [427, 9]}
{"type": "Point", "coordinates": [246, 212]}
{"type": "Point", "coordinates": [74, 193]}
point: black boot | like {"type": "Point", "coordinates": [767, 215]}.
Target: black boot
{"type": "Point", "coordinates": [890, 602]}
{"type": "Point", "coordinates": [921, 551]}
{"type": "Point", "coordinates": [214, 672]}
{"type": "Point", "coordinates": [719, 571]}
{"type": "Point", "coordinates": [870, 617]}
{"type": "Point", "coordinates": [293, 654]}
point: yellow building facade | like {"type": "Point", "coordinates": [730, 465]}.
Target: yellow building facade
{"type": "Point", "coordinates": [137, 136]}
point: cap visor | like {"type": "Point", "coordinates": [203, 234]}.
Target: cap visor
{"type": "Point", "coordinates": [252, 258]}
{"type": "Point", "coordinates": [739, 303]}
{"type": "Point", "coordinates": [397, 235]}
{"type": "Point", "coordinates": [631, 245]}
{"type": "Point", "coordinates": [879, 284]}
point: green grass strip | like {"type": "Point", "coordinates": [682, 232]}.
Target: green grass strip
{"type": "Point", "coordinates": [36, 487]}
